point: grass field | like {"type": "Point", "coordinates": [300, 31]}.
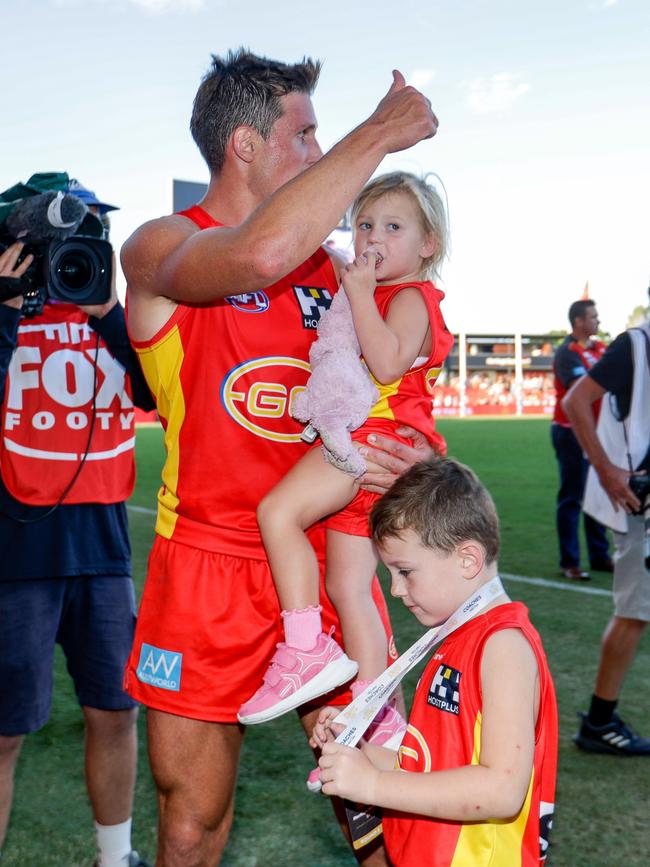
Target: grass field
{"type": "Point", "coordinates": [603, 803]}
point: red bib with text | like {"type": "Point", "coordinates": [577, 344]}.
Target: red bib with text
{"type": "Point", "coordinates": [58, 366]}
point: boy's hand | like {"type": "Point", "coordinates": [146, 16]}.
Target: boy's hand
{"type": "Point", "coordinates": [348, 773]}
{"type": "Point", "coordinates": [358, 278]}
{"type": "Point", "coordinates": [325, 729]}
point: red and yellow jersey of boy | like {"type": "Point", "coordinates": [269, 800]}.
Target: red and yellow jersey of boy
{"type": "Point", "coordinates": [444, 731]}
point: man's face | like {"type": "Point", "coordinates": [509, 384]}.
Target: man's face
{"type": "Point", "coordinates": [590, 321]}
{"type": "Point", "coordinates": [291, 147]}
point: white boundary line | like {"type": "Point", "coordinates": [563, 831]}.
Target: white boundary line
{"type": "Point", "coordinates": [142, 510]}
{"type": "Point", "coordinates": [556, 585]}
{"type": "Point", "coordinates": [522, 579]}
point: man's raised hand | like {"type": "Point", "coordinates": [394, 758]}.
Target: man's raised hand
{"type": "Point", "coordinates": [404, 116]}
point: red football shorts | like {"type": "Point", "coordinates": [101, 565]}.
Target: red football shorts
{"type": "Point", "coordinates": [207, 628]}
{"type": "Point", "coordinates": [353, 518]}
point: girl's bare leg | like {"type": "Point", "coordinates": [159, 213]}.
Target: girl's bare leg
{"type": "Point", "coordinates": [350, 566]}
{"type": "Point", "coordinates": [312, 489]}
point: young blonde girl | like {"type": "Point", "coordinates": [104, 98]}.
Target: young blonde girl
{"type": "Point", "coordinates": [400, 237]}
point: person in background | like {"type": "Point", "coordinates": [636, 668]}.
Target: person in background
{"type": "Point", "coordinates": [69, 380]}
{"type": "Point", "coordinates": [579, 351]}
{"type": "Point", "coordinates": [617, 494]}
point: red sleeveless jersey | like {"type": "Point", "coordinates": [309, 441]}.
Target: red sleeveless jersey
{"type": "Point", "coordinates": [48, 414]}
{"type": "Point", "coordinates": [223, 376]}
{"type": "Point", "coordinates": [590, 355]}
{"type": "Point", "coordinates": [444, 731]}
{"type": "Point", "coordinates": [408, 400]}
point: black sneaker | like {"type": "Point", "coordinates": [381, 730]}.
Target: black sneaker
{"type": "Point", "coordinates": [615, 738]}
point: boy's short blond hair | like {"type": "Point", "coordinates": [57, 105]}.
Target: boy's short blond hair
{"type": "Point", "coordinates": [429, 204]}
{"type": "Point", "coordinates": [444, 503]}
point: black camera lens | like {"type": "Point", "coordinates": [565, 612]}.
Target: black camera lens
{"type": "Point", "coordinates": [79, 270]}
{"type": "Point", "coordinates": [75, 271]}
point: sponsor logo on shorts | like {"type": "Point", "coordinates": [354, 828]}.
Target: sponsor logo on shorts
{"type": "Point", "coordinates": [161, 668]}
{"type": "Point", "coordinates": [257, 394]}
{"type": "Point", "coordinates": [250, 302]}
{"type": "Point", "coordinates": [313, 301]}
{"type": "Point", "coordinates": [445, 690]}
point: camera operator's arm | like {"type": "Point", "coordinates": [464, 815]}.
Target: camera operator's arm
{"type": "Point", "coordinates": [577, 405]}
{"type": "Point", "coordinates": [109, 322]}
{"type": "Point", "coordinates": [10, 310]}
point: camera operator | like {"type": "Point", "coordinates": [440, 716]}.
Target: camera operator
{"type": "Point", "coordinates": [616, 495]}
{"type": "Point", "coordinates": [68, 383]}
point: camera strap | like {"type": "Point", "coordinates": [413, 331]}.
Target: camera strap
{"type": "Point", "coordinates": [646, 460]}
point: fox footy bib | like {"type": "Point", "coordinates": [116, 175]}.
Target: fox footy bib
{"type": "Point", "coordinates": [59, 369]}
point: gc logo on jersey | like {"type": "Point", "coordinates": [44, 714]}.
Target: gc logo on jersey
{"type": "Point", "coordinates": [258, 394]}
{"type": "Point", "coordinates": [313, 301]}
{"type": "Point", "coordinates": [249, 302]}
{"type": "Point", "coordinates": [445, 690]}
{"type": "Point", "coordinates": [431, 376]}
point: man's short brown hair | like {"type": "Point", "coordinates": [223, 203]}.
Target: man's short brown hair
{"type": "Point", "coordinates": [444, 503]}
{"type": "Point", "coordinates": [243, 89]}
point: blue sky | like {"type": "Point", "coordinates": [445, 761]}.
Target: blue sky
{"type": "Point", "coordinates": [544, 112]}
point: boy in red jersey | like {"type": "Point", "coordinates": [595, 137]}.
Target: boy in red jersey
{"type": "Point", "coordinates": [224, 300]}
{"type": "Point", "coordinates": [480, 751]}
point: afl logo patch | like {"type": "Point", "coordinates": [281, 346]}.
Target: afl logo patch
{"type": "Point", "coordinates": [249, 302]}
{"type": "Point", "coordinates": [258, 394]}
{"type": "Point", "coordinates": [313, 301]}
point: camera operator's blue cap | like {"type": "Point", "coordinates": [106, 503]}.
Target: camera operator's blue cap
{"type": "Point", "coordinates": [88, 197]}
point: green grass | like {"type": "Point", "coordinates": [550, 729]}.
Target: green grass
{"type": "Point", "coordinates": [603, 803]}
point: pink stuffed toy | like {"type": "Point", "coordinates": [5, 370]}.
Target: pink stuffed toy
{"type": "Point", "coordinates": [339, 393]}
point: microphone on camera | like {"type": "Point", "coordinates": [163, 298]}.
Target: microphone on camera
{"type": "Point", "coordinates": [49, 216]}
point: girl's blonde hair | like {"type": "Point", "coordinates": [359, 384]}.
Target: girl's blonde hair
{"type": "Point", "coordinates": [432, 212]}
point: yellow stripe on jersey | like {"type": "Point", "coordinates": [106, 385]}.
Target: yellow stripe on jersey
{"type": "Point", "coordinates": [161, 365]}
{"type": "Point", "coordinates": [502, 838]}
{"type": "Point", "coordinates": [382, 408]}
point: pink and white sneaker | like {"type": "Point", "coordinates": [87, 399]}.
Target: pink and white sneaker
{"type": "Point", "coordinates": [295, 677]}
{"type": "Point", "coordinates": [386, 730]}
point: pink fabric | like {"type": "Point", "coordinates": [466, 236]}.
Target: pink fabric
{"type": "Point", "coordinates": [302, 627]}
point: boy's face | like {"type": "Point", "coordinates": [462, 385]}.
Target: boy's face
{"type": "Point", "coordinates": [431, 583]}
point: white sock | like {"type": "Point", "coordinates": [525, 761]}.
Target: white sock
{"type": "Point", "coordinates": [113, 844]}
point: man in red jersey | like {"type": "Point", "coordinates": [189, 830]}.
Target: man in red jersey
{"type": "Point", "coordinates": [576, 354]}
{"type": "Point", "coordinates": [224, 301]}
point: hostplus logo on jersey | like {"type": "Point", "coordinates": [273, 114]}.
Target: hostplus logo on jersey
{"type": "Point", "coordinates": [445, 690]}
{"type": "Point", "coordinates": [161, 668]}
{"type": "Point", "coordinates": [249, 302]}
{"type": "Point", "coordinates": [313, 301]}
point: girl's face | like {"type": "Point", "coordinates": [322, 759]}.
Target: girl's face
{"type": "Point", "coordinates": [391, 228]}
